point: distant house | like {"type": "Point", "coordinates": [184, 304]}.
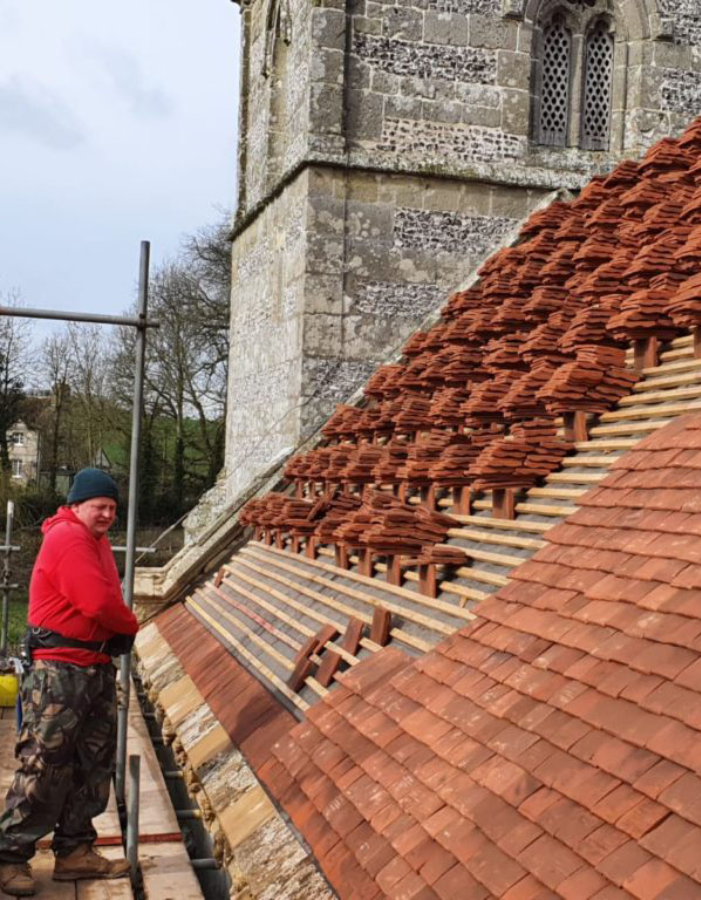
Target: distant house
{"type": "Point", "coordinates": [24, 449]}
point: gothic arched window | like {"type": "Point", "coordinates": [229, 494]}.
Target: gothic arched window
{"type": "Point", "coordinates": [598, 79]}
{"type": "Point", "coordinates": [573, 74]}
{"type": "Point", "coordinates": [555, 84]}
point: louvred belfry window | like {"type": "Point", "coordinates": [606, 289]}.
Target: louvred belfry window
{"type": "Point", "coordinates": [555, 84]}
{"type": "Point", "coordinates": [574, 68]}
{"type": "Point", "coordinates": [596, 112]}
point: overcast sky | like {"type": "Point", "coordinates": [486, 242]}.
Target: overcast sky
{"type": "Point", "coordinates": [117, 124]}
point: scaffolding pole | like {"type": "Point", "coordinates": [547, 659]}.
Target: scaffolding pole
{"type": "Point", "coordinates": [6, 586]}
{"type": "Point", "coordinates": [125, 666]}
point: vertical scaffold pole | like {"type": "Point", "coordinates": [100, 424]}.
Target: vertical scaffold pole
{"type": "Point", "coordinates": [9, 526]}
{"type": "Point", "coordinates": [125, 666]}
{"type": "Point", "coordinates": [133, 815]}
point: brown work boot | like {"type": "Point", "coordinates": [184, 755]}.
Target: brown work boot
{"type": "Point", "coordinates": [84, 862]}
{"type": "Point", "coordinates": [16, 879]}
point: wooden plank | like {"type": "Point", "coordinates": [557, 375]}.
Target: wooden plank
{"type": "Point", "coordinates": [672, 409]}
{"type": "Point", "coordinates": [465, 593]}
{"type": "Point", "coordinates": [603, 444]}
{"type": "Point", "coordinates": [481, 575]}
{"type": "Point", "coordinates": [506, 540]}
{"type": "Point", "coordinates": [558, 493]}
{"type": "Point", "coordinates": [397, 633]}
{"type": "Point", "coordinates": [642, 428]}
{"type": "Point", "coordinates": [419, 599]}
{"type": "Point", "coordinates": [683, 365]}
{"type": "Point", "coordinates": [353, 576]}
{"type": "Point", "coordinates": [686, 340]}
{"type": "Point", "coordinates": [599, 462]}
{"type": "Point", "coordinates": [679, 393]}
{"type": "Point", "coordinates": [156, 813]}
{"type": "Point", "coordinates": [499, 524]}
{"type": "Point", "coordinates": [536, 509]}
{"type": "Point", "coordinates": [167, 873]}
{"type": "Point", "coordinates": [408, 614]}
{"type": "Point", "coordinates": [300, 607]}
{"type": "Point", "coordinates": [679, 353]}
{"type": "Point", "coordinates": [249, 657]}
{"type": "Point", "coordinates": [498, 559]}
{"type": "Point", "coordinates": [575, 477]}
{"type": "Point", "coordinates": [664, 384]}
{"type": "Point", "coordinates": [267, 648]}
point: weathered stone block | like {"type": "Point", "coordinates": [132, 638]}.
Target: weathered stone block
{"type": "Point", "coordinates": [516, 112]}
{"type": "Point", "coordinates": [364, 115]}
{"type": "Point", "coordinates": [384, 82]}
{"type": "Point", "coordinates": [329, 28]}
{"type": "Point", "coordinates": [442, 112]}
{"type": "Point", "coordinates": [445, 28]}
{"type": "Point", "coordinates": [404, 108]}
{"type": "Point", "coordinates": [493, 34]}
{"type": "Point", "coordinates": [326, 107]}
{"type": "Point", "coordinates": [327, 65]}
{"type": "Point", "coordinates": [359, 74]}
{"type": "Point", "coordinates": [513, 69]}
{"type": "Point", "coordinates": [323, 334]}
{"type": "Point", "coordinates": [369, 221]}
{"type": "Point", "coordinates": [481, 115]}
{"type": "Point", "coordinates": [363, 188]}
{"type": "Point", "coordinates": [323, 294]}
{"type": "Point", "coordinates": [367, 25]}
{"type": "Point", "coordinates": [324, 254]}
{"type": "Point", "coordinates": [402, 22]}
{"type": "Point", "coordinates": [326, 216]}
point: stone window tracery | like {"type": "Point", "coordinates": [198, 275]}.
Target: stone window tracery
{"type": "Point", "coordinates": [598, 77]}
{"type": "Point", "coordinates": [555, 105]}
{"type": "Point", "coordinates": [574, 58]}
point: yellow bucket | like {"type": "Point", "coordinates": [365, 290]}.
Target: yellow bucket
{"type": "Point", "coordinates": [8, 689]}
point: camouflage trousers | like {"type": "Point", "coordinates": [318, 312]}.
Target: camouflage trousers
{"type": "Point", "coordinates": [66, 750]}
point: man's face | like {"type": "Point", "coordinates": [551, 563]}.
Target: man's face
{"type": "Point", "coordinates": [97, 514]}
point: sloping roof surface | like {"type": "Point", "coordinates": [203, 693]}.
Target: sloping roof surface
{"type": "Point", "coordinates": [552, 748]}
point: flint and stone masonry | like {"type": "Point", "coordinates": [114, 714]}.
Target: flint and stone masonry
{"type": "Point", "coordinates": [387, 148]}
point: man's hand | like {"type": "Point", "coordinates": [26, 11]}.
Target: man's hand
{"type": "Point", "coordinates": [120, 644]}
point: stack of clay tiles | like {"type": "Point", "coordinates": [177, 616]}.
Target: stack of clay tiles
{"type": "Point", "coordinates": [550, 750]}
{"type": "Point", "coordinates": [387, 526]}
{"type": "Point", "coordinates": [541, 333]}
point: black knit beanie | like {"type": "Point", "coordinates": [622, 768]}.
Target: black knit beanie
{"type": "Point", "coordinates": [90, 483]}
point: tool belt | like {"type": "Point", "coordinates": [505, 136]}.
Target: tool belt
{"type": "Point", "coordinates": [37, 638]}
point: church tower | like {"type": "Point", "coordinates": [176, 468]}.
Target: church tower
{"type": "Point", "coordinates": [386, 148]}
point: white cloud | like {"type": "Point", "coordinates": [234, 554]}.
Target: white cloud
{"type": "Point", "coordinates": [123, 71]}
{"type": "Point", "coordinates": [32, 110]}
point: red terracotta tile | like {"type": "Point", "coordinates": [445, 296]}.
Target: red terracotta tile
{"type": "Point", "coordinates": [583, 885]}
{"type": "Point", "coordinates": [458, 884]}
{"type": "Point", "coordinates": [620, 865]}
{"type": "Point", "coordinates": [550, 861]}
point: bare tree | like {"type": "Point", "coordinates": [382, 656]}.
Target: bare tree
{"type": "Point", "coordinates": [57, 369]}
{"type": "Point", "coordinates": [14, 350]}
{"type": "Point", "coordinates": [207, 257]}
{"type": "Point", "coordinates": [91, 395]}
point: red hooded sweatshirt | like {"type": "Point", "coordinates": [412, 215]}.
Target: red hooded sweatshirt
{"type": "Point", "coordinates": [75, 589]}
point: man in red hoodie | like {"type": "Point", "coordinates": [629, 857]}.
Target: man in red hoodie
{"type": "Point", "coordinates": [66, 748]}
